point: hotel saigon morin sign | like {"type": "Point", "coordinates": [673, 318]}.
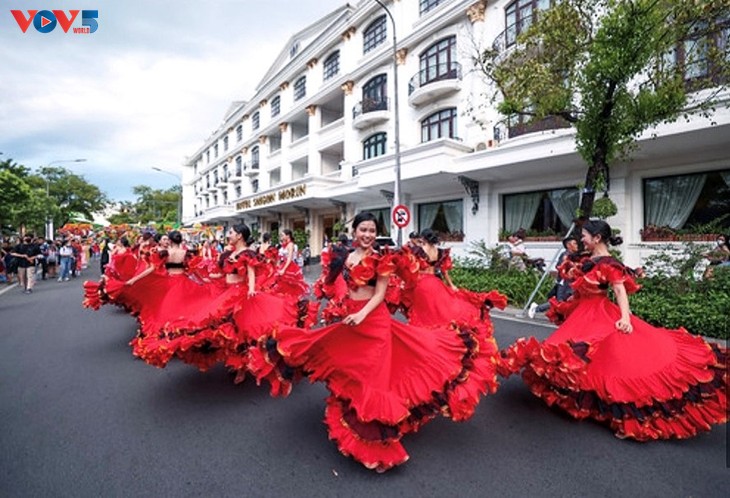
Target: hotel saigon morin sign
{"type": "Point", "coordinates": [272, 197]}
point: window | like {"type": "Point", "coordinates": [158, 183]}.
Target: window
{"type": "Point", "coordinates": [294, 50]}
{"type": "Point", "coordinates": [300, 88]}
{"type": "Point", "coordinates": [255, 120]}
{"type": "Point", "coordinates": [239, 164]}
{"type": "Point", "coordinates": [699, 55]}
{"type": "Point", "coordinates": [275, 177]}
{"type": "Point", "coordinates": [238, 191]}
{"type": "Point", "coordinates": [374, 146]}
{"type": "Point", "coordinates": [382, 220]}
{"type": "Point", "coordinates": [374, 94]}
{"type": "Point", "coordinates": [518, 17]}
{"type": "Point", "coordinates": [255, 185]}
{"type": "Point", "coordinates": [207, 156]}
{"type": "Point", "coordinates": [255, 157]}
{"type": "Point", "coordinates": [225, 172]}
{"type": "Point", "coordinates": [215, 151]}
{"type": "Point", "coordinates": [441, 124]}
{"type": "Point", "coordinates": [438, 62]}
{"type": "Point", "coordinates": [546, 212]}
{"type": "Point", "coordinates": [332, 65]}
{"type": "Point", "coordinates": [239, 133]}
{"type": "Point", "coordinates": [225, 197]}
{"type": "Point", "coordinates": [446, 218]}
{"type": "Point", "coordinates": [427, 5]}
{"type": "Point", "coordinates": [225, 144]}
{"type": "Point", "coordinates": [275, 106]}
{"type": "Point", "coordinates": [374, 34]}
{"type": "Point", "coordinates": [685, 202]}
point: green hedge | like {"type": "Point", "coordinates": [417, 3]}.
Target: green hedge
{"type": "Point", "coordinates": [516, 285]}
{"type": "Point", "coordinates": [700, 306]}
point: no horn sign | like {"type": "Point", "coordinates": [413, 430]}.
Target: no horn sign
{"type": "Point", "coordinates": [401, 216]}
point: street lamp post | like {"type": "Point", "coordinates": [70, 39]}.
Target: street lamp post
{"type": "Point", "coordinates": [396, 170]}
{"type": "Point", "coordinates": [179, 201]}
{"type": "Point", "coordinates": [49, 218]}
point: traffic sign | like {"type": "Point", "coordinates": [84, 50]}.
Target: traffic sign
{"type": "Point", "coordinates": [401, 216]}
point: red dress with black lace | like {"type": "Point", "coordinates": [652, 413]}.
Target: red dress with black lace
{"type": "Point", "coordinates": [428, 301]}
{"type": "Point", "coordinates": [386, 378]}
{"type": "Point", "coordinates": [653, 383]}
{"type": "Point", "coordinates": [217, 324]}
{"type": "Point", "coordinates": [122, 266]}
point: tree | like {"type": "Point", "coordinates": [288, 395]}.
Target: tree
{"type": "Point", "coordinates": [70, 193]}
{"type": "Point", "coordinates": [14, 192]}
{"type": "Point", "coordinates": [156, 205]}
{"type": "Point", "coordinates": [613, 69]}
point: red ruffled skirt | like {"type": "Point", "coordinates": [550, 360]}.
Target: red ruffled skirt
{"type": "Point", "coordinates": [387, 378]}
{"type": "Point", "coordinates": [654, 383]}
{"type": "Point", "coordinates": [432, 303]}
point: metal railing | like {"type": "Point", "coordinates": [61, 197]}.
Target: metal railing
{"type": "Point", "coordinates": [433, 74]}
{"type": "Point", "coordinates": [370, 105]}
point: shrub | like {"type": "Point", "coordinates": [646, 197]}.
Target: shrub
{"type": "Point", "coordinates": [516, 285]}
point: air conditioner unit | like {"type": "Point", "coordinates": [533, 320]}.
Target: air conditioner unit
{"type": "Point", "coordinates": [481, 146]}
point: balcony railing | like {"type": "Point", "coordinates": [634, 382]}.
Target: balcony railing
{"type": "Point", "coordinates": [513, 127]}
{"type": "Point", "coordinates": [370, 105]}
{"type": "Point", "coordinates": [433, 74]}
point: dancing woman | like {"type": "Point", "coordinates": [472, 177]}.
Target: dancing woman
{"type": "Point", "coordinates": [604, 363]}
{"type": "Point", "coordinates": [432, 299]}
{"type": "Point", "coordinates": [386, 378]}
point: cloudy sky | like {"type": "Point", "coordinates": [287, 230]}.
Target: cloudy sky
{"type": "Point", "coordinates": [144, 90]}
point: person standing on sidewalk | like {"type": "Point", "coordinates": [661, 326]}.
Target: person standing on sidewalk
{"type": "Point", "coordinates": [26, 253]}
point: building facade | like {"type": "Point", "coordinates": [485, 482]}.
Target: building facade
{"type": "Point", "coordinates": [316, 143]}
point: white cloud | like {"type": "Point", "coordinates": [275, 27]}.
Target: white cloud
{"type": "Point", "coordinates": [143, 91]}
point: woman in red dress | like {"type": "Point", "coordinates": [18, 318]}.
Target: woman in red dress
{"type": "Point", "coordinates": [217, 323]}
{"type": "Point", "coordinates": [386, 378]}
{"type": "Point", "coordinates": [431, 298]}
{"type": "Point", "coordinates": [122, 266]}
{"type": "Point", "coordinates": [288, 279]}
{"type": "Point", "coordinates": [604, 363]}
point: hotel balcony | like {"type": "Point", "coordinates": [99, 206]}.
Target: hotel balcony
{"type": "Point", "coordinates": [251, 169]}
{"type": "Point", "coordinates": [369, 112]}
{"type": "Point", "coordinates": [434, 82]}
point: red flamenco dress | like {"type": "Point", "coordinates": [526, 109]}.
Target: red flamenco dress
{"type": "Point", "coordinates": [217, 324]}
{"type": "Point", "coordinates": [122, 266]}
{"type": "Point", "coordinates": [428, 301]}
{"type": "Point", "coordinates": [653, 383]}
{"type": "Point", "coordinates": [289, 283]}
{"type": "Point", "coordinates": [386, 378]}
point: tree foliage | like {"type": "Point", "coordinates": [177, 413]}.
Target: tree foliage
{"type": "Point", "coordinates": [610, 68]}
{"type": "Point", "coordinates": [27, 199]}
{"type": "Point", "coordinates": [156, 205]}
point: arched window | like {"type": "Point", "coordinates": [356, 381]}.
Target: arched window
{"type": "Point", "coordinates": [300, 88]}
{"type": "Point", "coordinates": [255, 157]}
{"type": "Point", "coordinates": [374, 34]}
{"type": "Point", "coordinates": [374, 146]}
{"type": "Point", "coordinates": [255, 120]}
{"type": "Point", "coordinates": [438, 61]}
{"type": "Point", "coordinates": [440, 124]}
{"type": "Point", "coordinates": [374, 94]}
{"type": "Point", "coordinates": [275, 106]}
{"type": "Point", "coordinates": [332, 65]}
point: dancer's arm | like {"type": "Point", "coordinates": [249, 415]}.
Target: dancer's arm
{"type": "Point", "coordinates": [624, 323]}
{"type": "Point", "coordinates": [378, 296]}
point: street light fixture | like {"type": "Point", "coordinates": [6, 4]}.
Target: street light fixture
{"type": "Point", "coordinates": [396, 169]}
{"type": "Point", "coordinates": [179, 201]}
{"type": "Point", "coordinates": [49, 218]}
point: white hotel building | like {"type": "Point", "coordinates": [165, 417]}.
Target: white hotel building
{"type": "Point", "coordinates": [315, 143]}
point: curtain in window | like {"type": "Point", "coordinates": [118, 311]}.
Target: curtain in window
{"type": "Point", "coordinates": [726, 177]}
{"type": "Point", "coordinates": [453, 215]}
{"type": "Point", "coordinates": [520, 210]}
{"type": "Point", "coordinates": [565, 202]}
{"type": "Point", "coordinates": [428, 214]}
{"type": "Point", "coordinates": [670, 201]}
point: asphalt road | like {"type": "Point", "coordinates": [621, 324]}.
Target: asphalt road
{"type": "Point", "coordinates": [79, 416]}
